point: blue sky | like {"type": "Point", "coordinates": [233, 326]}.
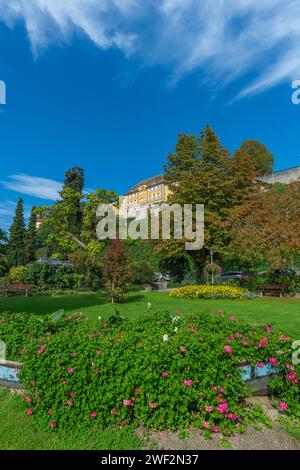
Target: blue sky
{"type": "Point", "coordinates": [109, 84]}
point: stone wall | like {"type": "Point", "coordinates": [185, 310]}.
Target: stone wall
{"type": "Point", "coordinates": [284, 176]}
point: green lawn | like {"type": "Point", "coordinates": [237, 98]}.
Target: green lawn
{"type": "Point", "coordinates": [18, 432]}
{"type": "Point", "coordinates": [284, 314]}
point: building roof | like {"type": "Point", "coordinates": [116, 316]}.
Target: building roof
{"type": "Point", "coordinates": [160, 179]}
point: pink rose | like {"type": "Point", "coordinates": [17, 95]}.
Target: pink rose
{"type": "Point", "coordinates": [70, 370]}
{"type": "Point", "coordinates": [273, 361]}
{"type": "Point", "coordinates": [208, 409]}
{"type": "Point", "coordinates": [93, 415]}
{"type": "Point", "coordinates": [206, 425]}
{"type": "Point", "coordinates": [283, 406]}
{"type": "Point", "coordinates": [42, 349]}
{"type": "Point", "coordinates": [52, 425]}
{"type": "Point", "coordinates": [263, 342]}
{"type": "Point", "coordinates": [152, 405]}
{"type": "Point", "coordinates": [222, 407]}
{"type": "Point", "coordinates": [228, 349]}
{"type": "Point", "coordinates": [165, 374]}
{"type": "Point", "coordinates": [187, 383]}
{"type": "Point", "coordinates": [182, 349]}
{"type": "Point", "coordinates": [128, 403]}
{"type": "Point", "coordinates": [29, 412]}
{"type": "Point", "coordinates": [28, 399]}
{"type": "Point", "coordinates": [259, 364]}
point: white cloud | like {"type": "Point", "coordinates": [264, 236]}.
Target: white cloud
{"type": "Point", "coordinates": [49, 21]}
{"type": "Point", "coordinates": [225, 39]}
{"type": "Point", "coordinates": [7, 212]}
{"type": "Point", "coordinates": [231, 38]}
{"type": "Point", "coordinates": [42, 188]}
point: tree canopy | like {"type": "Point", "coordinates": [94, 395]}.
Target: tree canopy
{"type": "Point", "coordinates": [262, 158]}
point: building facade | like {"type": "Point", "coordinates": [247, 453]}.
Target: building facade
{"type": "Point", "coordinates": [284, 176]}
{"type": "Point", "coordinates": [151, 191]}
{"type": "Point", "coordinates": [157, 189]}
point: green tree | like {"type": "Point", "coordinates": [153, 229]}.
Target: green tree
{"type": "Point", "coordinates": [16, 244]}
{"type": "Point", "coordinates": [202, 171]}
{"type": "Point", "coordinates": [3, 241]}
{"type": "Point", "coordinates": [72, 194]}
{"type": "Point", "coordinates": [31, 237]}
{"type": "Point", "coordinates": [4, 266]}
{"type": "Point", "coordinates": [261, 156]}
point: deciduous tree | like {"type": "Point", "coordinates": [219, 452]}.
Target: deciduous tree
{"type": "Point", "coordinates": [266, 228]}
{"type": "Point", "coordinates": [116, 271]}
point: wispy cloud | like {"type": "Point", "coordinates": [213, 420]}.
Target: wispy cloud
{"type": "Point", "coordinates": [42, 188]}
{"type": "Point", "coordinates": [48, 21]}
{"type": "Point", "coordinates": [224, 39]}
{"type": "Point", "coordinates": [7, 211]}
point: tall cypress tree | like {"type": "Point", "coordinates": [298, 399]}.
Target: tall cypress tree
{"type": "Point", "coordinates": [31, 241]}
{"type": "Point", "coordinates": [16, 244]}
{"type": "Point", "coordinates": [72, 195]}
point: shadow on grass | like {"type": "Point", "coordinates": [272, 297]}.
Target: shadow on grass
{"type": "Point", "coordinates": [48, 304]}
{"type": "Point", "coordinates": [44, 305]}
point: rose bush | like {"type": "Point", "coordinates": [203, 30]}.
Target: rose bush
{"type": "Point", "coordinates": [166, 372]}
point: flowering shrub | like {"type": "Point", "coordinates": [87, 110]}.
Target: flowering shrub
{"type": "Point", "coordinates": [167, 372]}
{"type": "Point", "coordinates": [209, 292]}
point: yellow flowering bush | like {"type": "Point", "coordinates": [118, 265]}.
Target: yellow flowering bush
{"type": "Point", "coordinates": [209, 292]}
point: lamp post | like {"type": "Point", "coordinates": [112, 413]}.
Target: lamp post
{"type": "Point", "coordinates": [212, 252]}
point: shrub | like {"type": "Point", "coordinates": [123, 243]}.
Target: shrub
{"type": "Point", "coordinates": [163, 371]}
{"type": "Point", "coordinates": [18, 275]}
{"type": "Point", "coordinates": [257, 281]}
{"type": "Point", "coordinates": [4, 266]}
{"type": "Point", "coordinates": [143, 273]}
{"type": "Point", "coordinates": [209, 292]}
{"type": "Point", "coordinates": [46, 276]}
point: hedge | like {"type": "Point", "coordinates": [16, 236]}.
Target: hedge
{"type": "Point", "coordinates": [209, 292]}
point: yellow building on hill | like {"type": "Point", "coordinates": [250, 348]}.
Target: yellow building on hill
{"type": "Point", "coordinates": [151, 191]}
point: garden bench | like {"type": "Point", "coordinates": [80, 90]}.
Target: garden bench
{"type": "Point", "coordinates": [275, 290]}
{"type": "Point", "coordinates": [15, 289]}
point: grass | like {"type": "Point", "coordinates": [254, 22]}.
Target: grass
{"type": "Point", "coordinates": [283, 314]}
{"type": "Point", "coordinates": [18, 432]}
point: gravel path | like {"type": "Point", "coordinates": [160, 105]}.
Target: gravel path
{"type": "Point", "coordinates": [266, 439]}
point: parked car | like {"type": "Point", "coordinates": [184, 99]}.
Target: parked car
{"type": "Point", "coordinates": [285, 273]}
{"type": "Point", "coordinates": [240, 276]}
